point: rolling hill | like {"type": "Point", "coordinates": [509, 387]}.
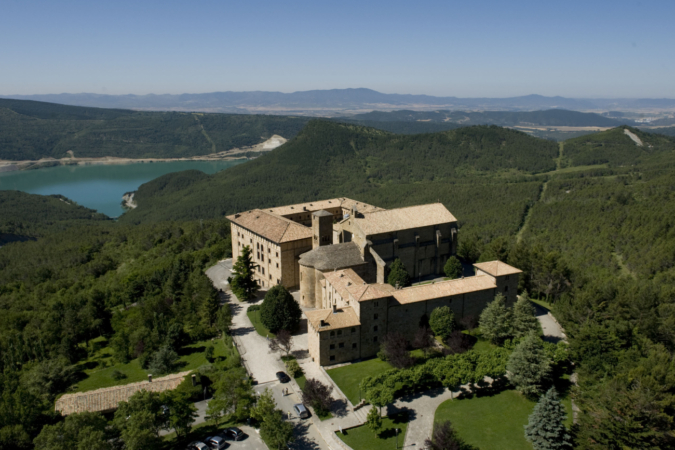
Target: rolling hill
{"type": "Point", "coordinates": [32, 130]}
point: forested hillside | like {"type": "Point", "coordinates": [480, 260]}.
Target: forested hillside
{"type": "Point", "coordinates": [550, 117]}
{"type": "Point", "coordinates": [35, 215]}
{"type": "Point", "coordinates": [32, 130]}
{"type": "Point", "coordinates": [328, 159]}
{"type": "Point", "coordinates": [99, 296]}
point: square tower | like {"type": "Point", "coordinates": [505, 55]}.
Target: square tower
{"type": "Point", "coordinates": [322, 228]}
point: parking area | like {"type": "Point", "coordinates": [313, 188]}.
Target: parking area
{"type": "Point", "coordinates": [251, 441]}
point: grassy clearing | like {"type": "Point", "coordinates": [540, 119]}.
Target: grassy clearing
{"type": "Point", "coordinates": [98, 368]}
{"type": "Point", "coordinates": [262, 330]}
{"type": "Point", "coordinates": [348, 378]}
{"type": "Point", "coordinates": [492, 422]}
{"type": "Point", "coordinates": [542, 303]}
{"type": "Point", "coordinates": [362, 438]}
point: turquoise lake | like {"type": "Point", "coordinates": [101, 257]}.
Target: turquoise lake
{"type": "Point", "coordinates": [100, 187]}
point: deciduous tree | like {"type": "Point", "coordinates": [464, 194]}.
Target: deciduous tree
{"type": "Point", "coordinates": [395, 347]}
{"type": "Point", "coordinates": [453, 268]}
{"type": "Point", "coordinates": [317, 395]}
{"type": "Point", "coordinates": [442, 321]}
{"type": "Point", "coordinates": [443, 438]}
{"type": "Point", "coordinates": [374, 420]}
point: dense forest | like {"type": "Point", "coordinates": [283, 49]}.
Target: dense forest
{"type": "Point", "coordinates": [328, 160]}
{"type": "Point", "coordinates": [96, 293]}
{"type": "Point", "coordinates": [550, 117]}
{"type": "Point", "coordinates": [590, 223]}
{"type": "Point", "coordinates": [32, 130]}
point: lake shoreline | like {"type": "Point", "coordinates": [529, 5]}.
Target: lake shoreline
{"type": "Point", "coordinates": [11, 166]}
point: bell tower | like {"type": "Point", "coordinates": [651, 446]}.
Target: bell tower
{"type": "Point", "coordinates": [322, 228]}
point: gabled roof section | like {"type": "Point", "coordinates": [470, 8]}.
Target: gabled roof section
{"type": "Point", "coordinates": [350, 285]}
{"type": "Point", "coordinates": [342, 318]}
{"type": "Point", "coordinates": [332, 257]}
{"type": "Point", "coordinates": [271, 226]}
{"type": "Point", "coordinates": [318, 205]}
{"type": "Point", "coordinates": [442, 289]}
{"type": "Point", "coordinates": [497, 268]}
{"type": "Point", "coordinates": [390, 220]}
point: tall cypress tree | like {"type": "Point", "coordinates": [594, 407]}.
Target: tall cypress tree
{"type": "Point", "coordinates": [545, 429]}
{"type": "Point", "coordinates": [398, 275]}
{"type": "Point", "coordinates": [243, 285]}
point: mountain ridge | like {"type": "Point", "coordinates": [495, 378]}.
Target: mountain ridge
{"type": "Point", "coordinates": [335, 99]}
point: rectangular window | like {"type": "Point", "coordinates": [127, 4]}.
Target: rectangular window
{"type": "Point", "coordinates": [353, 330]}
{"type": "Point", "coordinates": [277, 265]}
{"type": "Point", "coordinates": [377, 304]}
{"type": "Point", "coordinates": [332, 357]}
{"type": "Point", "coordinates": [374, 338]}
{"type": "Point", "coordinates": [354, 346]}
{"type": "Point", "coordinates": [278, 281]}
{"type": "Point", "coordinates": [277, 254]}
{"type": "Point", "coordinates": [263, 271]}
{"type": "Point", "coordinates": [332, 346]}
{"type": "Point", "coordinates": [375, 328]}
{"type": "Point", "coordinates": [339, 332]}
{"type": "Point", "coordinates": [375, 316]}
{"type": "Point", "coordinates": [270, 276]}
{"type": "Point", "coordinates": [341, 345]}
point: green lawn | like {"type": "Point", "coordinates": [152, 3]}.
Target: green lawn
{"type": "Point", "coordinates": [349, 377]}
{"type": "Point", "coordinates": [99, 367]}
{"type": "Point", "coordinates": [257, 324]}
{"type": "Point", "coordinates": [492, 423]}
{"type": "Point", "coordinates": [362, 438]}
{"type": "Point", "coordinates": [543, 303]}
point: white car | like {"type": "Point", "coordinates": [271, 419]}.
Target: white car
{"type": "Point", "coordinates": [197, 445]}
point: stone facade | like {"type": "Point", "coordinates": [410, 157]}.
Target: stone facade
{"type": "Point", "coordinates": [380, 308]}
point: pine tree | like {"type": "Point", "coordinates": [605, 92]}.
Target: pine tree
{"type": "Point", "coordinates": [453, 268]}
{"type": "Point", "coordinates": [398, 275]}
{"type": "Point", "coordinates": [496, 321]}
{"type": "Point", "coordinates": [528, 365]}
{"type": "Point", "coordinates": [524, 320]}
{"type": "Point", "coordinates": [243, 284]}
{"type": "Point", "coordinates": [545, 429]}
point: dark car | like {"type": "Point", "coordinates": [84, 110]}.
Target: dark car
{"type": "Point", "coordinates": [282, 377]}
{"type": "Point", "coordinates": [235, 434]}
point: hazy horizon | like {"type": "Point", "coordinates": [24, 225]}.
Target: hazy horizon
{"type": "Point", "coordinates": [485, 49]}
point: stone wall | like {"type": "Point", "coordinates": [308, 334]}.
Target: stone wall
{"type": "Point", "coordinates": [339, 346]}
{"type": "Point", "coordinates": [290, 254]}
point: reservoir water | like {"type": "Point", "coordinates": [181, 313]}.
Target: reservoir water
{"type": "Point", "coordinates": [100, 187]}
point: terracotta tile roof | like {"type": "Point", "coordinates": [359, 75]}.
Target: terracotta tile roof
{"type": "Point", "coordinates": [106, 399]}
{"type": "Point", "coordinates": [343, 318]}
{"type": "Point", "coordinates": [497, 268]}
{"type": "Point", "coordinates": [349, 285]}
{"type": "Point", "coordinates": [389, 220]}
{"type": "Point", "coordinates": [442, 289]}
{"type": "Point", "coordinates": [322, 204]}
{"type": "Point", "coordinates": [271, 226]}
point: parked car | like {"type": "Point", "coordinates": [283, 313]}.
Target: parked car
{"type": "Point", "coordinates": [282, 377]}
{"type": "Point", "coordinates": [301, 411]}
{"type": "Point", "coordinates": [235, 434]}
{"type": "Point", "coordinates": [197, 445]}
{"type": "Point", "coordinates": [216, 442]}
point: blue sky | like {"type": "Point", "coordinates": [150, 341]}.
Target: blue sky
{"type": "Point", "coordinates": [472, 48]}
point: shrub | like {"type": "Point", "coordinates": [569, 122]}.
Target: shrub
{"type": "Point", "coordinates": [293, 368]}
{"type": "Point", "coordinates": [117, 375]}
{"type": "Point", "coordinates": [209, 353]}
{"type": "Point", "coordinates": [395, 346]}
{"type": "Point", "coordinates": [163, 361]}
{"type": "Point", "coordinates": [398, 276]}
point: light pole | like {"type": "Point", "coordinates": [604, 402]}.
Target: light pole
{"type": "Point", "coordinates": [397, 430]}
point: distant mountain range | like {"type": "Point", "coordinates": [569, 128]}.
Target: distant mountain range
{"type": "Point", "coordinates": [338, 102]}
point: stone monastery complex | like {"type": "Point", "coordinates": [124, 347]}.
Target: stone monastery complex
{"type": "Point", "coordinates": [337, 253]}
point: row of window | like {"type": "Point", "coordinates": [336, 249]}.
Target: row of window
{"type": "Point", "coordinates": [339, 332]}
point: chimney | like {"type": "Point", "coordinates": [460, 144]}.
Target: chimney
{"type": "Point", "coordinates": [194, 380]}
{"type": "Point", "coordinates": [149, 378]}
{"type": "Point", "coordinates": [334, 308]}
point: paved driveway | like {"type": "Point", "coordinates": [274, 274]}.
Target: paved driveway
{"type": "Point", "coordinates": [219, 274]}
